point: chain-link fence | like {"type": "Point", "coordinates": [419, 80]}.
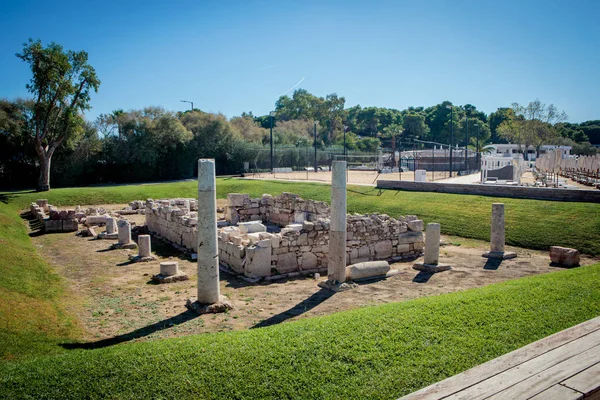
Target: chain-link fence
{"type": "Point", "coordinates": [304, 163]}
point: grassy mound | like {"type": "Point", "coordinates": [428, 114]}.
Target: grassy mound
{"type": "Point", "coordinates": [374, 352]}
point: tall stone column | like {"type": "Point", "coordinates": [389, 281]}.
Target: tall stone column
{"type": "Point", "coordinates": [209, 296]}
{"type": "Point", "coordinates": [432, 251]}
{"type": "Point", "coordinates": [336, 269]}
{"type": "Point", "coordinates": [497, 237]}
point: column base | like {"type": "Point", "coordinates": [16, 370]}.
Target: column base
{"type": "Point", "coordinates": [135, 259]}
{"type": "Point", "coordinates": [108, 236]}
{"type": "Point", "coordinates": [432, 268]}
{"type": "Point", "coordinates": [336, 286]}
{"type": "Point", "coordinates": [499, 255]}
{"type": "Point", "coordinates": [222, 305]}
{"type": "Point", "coordinates": [130, 245]}
{"type": "Point", "coordinates": [169, 278]}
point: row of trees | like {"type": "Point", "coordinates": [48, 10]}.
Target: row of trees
{"type": "Point", "coordinates": [156, 144]}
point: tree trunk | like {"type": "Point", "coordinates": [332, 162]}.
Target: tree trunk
{"type": "Point", "coordinates": [45, 159]}
{"type": "Point", "coordinates": [44, 179]}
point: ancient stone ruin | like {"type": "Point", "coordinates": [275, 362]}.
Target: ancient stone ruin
{"type": "Point", "coordinates": [54, 220]}
{"type": "Point", "coordinates": [283, 235]}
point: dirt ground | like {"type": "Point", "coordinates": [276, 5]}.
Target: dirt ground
{"type": "Point", "coordinates": [371, 177]}
{"type": "Point", "coordinates": [116, 300]}
{"type": "Point", "coordinates": [354, 177]}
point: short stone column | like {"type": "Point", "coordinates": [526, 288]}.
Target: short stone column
{"type": "Point", "coordinates": [169, 272]}
{"type": "Point", "coordinates": [111, 225]}
{"type": "Point", "coordinates": [336, 269]}
{"type": "Point", "coordinates": [432, 251]}
{"type": "Point", "coordinates": [497, 237]}
{"type": "Point", "coordinates": [209, 296]}
{"type": "Point", "coordinates": [125, 241]}
{"type": "Point", "coordinates": [144, 246]}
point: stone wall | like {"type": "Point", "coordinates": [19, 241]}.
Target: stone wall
{"type": "Point", "coordinates": [54, 220]}
{"type": "Point", "coordinates": [250, 250]}
{"type": "Point", "coordinates": [280, 210]}
{"type": "Point", "coordinates": [174, 220]}
{"type": "Point", "coordinates": [520, 192]}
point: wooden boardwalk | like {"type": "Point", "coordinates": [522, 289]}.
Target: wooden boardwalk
{"type": "Point", "coordinates": [565, 365]}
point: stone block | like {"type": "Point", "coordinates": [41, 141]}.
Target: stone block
{"type": "Point", "coordinates": [410, 237]}
{"type": "Point", "coordinates": [258, 262]}
{"type": "Point", "coordinates": [69, 225]}
{"type": "Point", "coordinates": [287, 262]}
{"type": "Point", "coordinates": [53, 225]}
{"type": "Point", "coordinates": [415, 225]}
{"type": "Point", "coordinates": [403, 248]}
{"type": "Point", "coordinates": [237, 199]}
{"type": "Point", "coordinates": [251, 227]}
{"type": "Point", "coordinates": [309, 261]}
{"type": "Point", "coordinates": [564, 256]}
{"type": "Point", "coordinates": [383, 249]}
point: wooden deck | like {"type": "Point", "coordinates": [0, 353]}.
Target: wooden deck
{"type": "Point", "coordinates": [565, 365]}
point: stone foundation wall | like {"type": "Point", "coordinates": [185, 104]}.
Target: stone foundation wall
{"type": "Point", "coordinates": [299, 247]}
{"type": "Point", "coordinates": [175, 220]}
{"type": "Point", "coordinates": [280, 210]}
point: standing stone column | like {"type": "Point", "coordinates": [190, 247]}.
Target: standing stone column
{"type": "Point", "coordinates": [209, 296]}
{"type": "Point", "coordinates": [111, 225]}
{"type": "Point", "coordinates": [144, 245]}
{"type": "Point", "coordinates": [432, 251]}
{"type": "Point", "coordinates": [497, 237]}
{"type": "Point", "coordinates": [336, 269]}
{"type": "Point", "coordinates": [124, 234]}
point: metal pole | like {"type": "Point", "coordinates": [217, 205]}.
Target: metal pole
{"type": "Point", "coordinates": [477, 149]}
{"type": "Point", "coordinates": [315, 144]}
{"type": "Point", "coordinates": [433, 164]}
{"type": "Point", "coordinates": [451, 137]}
{"type": "Point", "coordinates": [271, 129]}
{"type": "Point", "coordinates": [467, 143]}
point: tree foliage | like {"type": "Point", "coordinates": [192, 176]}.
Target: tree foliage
{"type": "Point", "coordinates": [60, 86]}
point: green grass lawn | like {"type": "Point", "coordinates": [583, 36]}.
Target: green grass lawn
{"type": "Point", "coordinates": [378, 352]}
{"type": "Point", "coordinates": [374, 352]}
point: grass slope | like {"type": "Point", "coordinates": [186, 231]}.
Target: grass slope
{"type": "Point", "coordinates": [374, 352]}
{"type": "Point", "coordinates": [32, 316]}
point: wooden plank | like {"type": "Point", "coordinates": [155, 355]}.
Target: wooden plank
{"type": "Point", "coordinates": [587, 381]}
{"type": "Point", "coordinates": [493, 367]}
{"type": "Point", "coordinates": [529, 368]}
{"type": "Point", "coordinates": [551, 376]}
{"type": "Point", "coordinates": [558, 392]}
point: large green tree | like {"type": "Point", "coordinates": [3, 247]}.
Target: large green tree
{"type": "Point", "coordinates": [60, 86]}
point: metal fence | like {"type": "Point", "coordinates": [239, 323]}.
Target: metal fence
{"type": "Point", "coordinates": [304, 163]}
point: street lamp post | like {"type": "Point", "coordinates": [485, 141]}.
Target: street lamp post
{"type": "Point", "coordinates": [271, 137]}
{"type": "Point", "coordinates": [477, 145]}
{"type": "Point", "coordinates": [315, 146]}
{"type": "Point", "coordinates": [467, 142]}
{"type": "Point", "coordinates": [187, 101]}
{"type": "Point", "coordinates": [451, 135]}
{"type": "Point", "coordinates": [345, 151]}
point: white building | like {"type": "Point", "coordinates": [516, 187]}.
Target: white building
{"type": "Point", "coordinates": [507, 150]}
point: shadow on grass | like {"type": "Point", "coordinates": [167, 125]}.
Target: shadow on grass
{"type": "Point", "coordinates": [6, 197]}
{"type": "Point", "coordinates": [492, 264]}
{"type": "Point", "coordinates": [299, 309]}
{"type": "Point", "coordinates": [136, 334]}
{"type": "Point", "coordinates": [36, 227]}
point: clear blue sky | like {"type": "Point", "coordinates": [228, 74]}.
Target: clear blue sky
{"type": "Point", "coordinates": [232, 57]}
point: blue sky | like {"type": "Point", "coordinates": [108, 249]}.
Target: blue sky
{"type": "Point", "coordinates": [231, 57]}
